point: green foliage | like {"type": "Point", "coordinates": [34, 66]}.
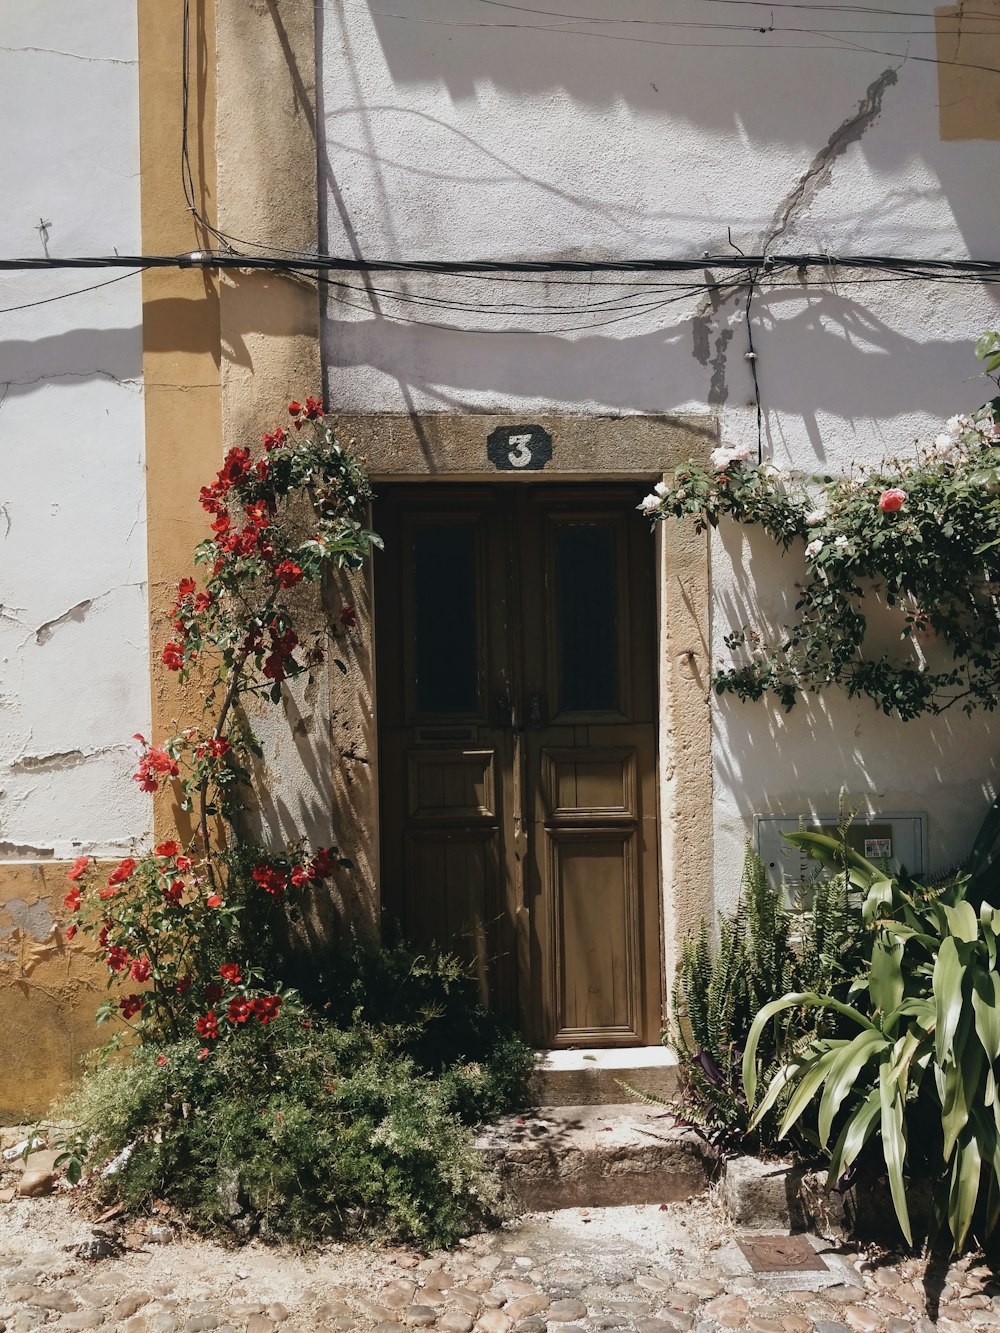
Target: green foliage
{"type": "Point", "coordinates": [912, 1063]}
{"type": "Point", "coordinates": [304, 1129]}
{"type": "Point", "coordinates": [920, 533]}
{"type": "Point", "coordinates": [763, 951]}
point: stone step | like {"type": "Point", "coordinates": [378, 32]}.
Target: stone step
{"type": "Point", "coordinates": [595, 1156]}
{"type": "Point", "coordinates": [594, 1077]}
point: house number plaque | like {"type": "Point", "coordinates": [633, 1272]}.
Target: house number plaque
{"type": "Point", "coordinates": [519, 448]}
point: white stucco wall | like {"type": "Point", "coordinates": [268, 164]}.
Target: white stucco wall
{"type": "Point", "coordinates": [74, 656]}
{"type": "Point", "coordinates": [466, 129]}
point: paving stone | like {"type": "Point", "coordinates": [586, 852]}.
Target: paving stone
{"type": "Point", "coordinates": [826, 1326]}
{"type": "Point", "coordinates": [729, 1311]}
{"type": "Point", "coordinates": [82, 1319]}
{"type": "Point", "coordinates": [468, 1301]}
{"type": "Point", "coordinates": [706, 1288]}
{"type": "Point", "coordinates": [898, 1326]}
{"type": "Point", "coordinates": [200, 1323]}
{"type": "Point", "coordinates": [161, 1323]}
{"type": "Point", "coordinates": [55, 1298]}
{"type": "Point", "coordinates": [493, 1299]}
{"type": "Point", "coordinates": [419, 1316]}
{"type": "Point", "coordinates": [843, 1295]}
{"type": "Point", "coordinates": [795, 1323]}
{"type": "Point", "coordinates": [525, 1306]}
{"type": "Point", "coordinates": [455, 1321]}
{"type": "Point", "coordinates": [757, 1324]}
{"type": "Point", "coordinates": [328, 1310]}
{"type": "Point", "coordinates": [259, 1323]}
{"type": "Point", "coordinates": [398, 1293]}
{"type": "Point", "coordinates": [128, 1305]}
{"type": "Point", "coordinates": [862, 1320]}
{"type": "Point", "coordinates": [513, 1288]}
{"type": "Point", "coordinates": [277, 1312]}
{"type": "Point", "coordinates": [390, 1327]}
{"type": "Point", "coordinates": [532, 1326]}
{"type": "Point", "coordinates": [565, 1310]}
{"type": "Point", "coordinates": [493, 1321]}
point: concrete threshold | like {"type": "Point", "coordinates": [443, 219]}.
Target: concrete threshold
{"type": "Point", "coordinates": [595, 1077]}
{"type": "Point", "coordinates": [595, 1156]}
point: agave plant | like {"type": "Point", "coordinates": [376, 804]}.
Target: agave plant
{"type": "Point", "coordinates": [914, 1061]}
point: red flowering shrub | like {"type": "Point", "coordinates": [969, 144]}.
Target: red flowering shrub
{"type": "Point", "coordinates": [171, 920]}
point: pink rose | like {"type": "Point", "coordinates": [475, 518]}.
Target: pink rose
{"type": "Point", "coordinates": [891, 500]}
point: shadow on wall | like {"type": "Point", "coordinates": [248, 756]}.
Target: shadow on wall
{"type": "Point", "coordinates": [834, 354]}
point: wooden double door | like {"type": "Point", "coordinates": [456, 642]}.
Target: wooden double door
{"type": "Point", "coordinates": [516, 668]}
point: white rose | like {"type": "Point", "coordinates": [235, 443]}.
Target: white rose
{"type": "Point", "coordinates": [814, 547]}
{"type": "Point", "coordinates": [841, 542]}
{"type": "Point", "coordinates": [815, 516]}
{"type": "Point", "coordinates": [650, 504]}
{"type": "Point", "coordinates": [661, 488]}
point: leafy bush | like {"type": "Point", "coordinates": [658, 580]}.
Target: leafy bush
{"type": "Point", "coordinates": [764, 950]}
{"type": "Point", "coordinates": [913, 1065]}
{"type": "Point", "coordinates": [303, 1128]}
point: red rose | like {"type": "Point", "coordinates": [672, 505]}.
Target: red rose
{"type": "Point", "coordinates": [239, 1010]}
{"type": "Point", "coordinates": [204, 1053]}
{"type": "Point", "coordinates": [185, 588]}
{"type": "Point", "coordinates": [266, 1007]}
{"type": "Point", "coordinates": [183, 984]}
{"type": "Point", "coordinates": [213, 993]}
{"type": "Point", "coordinates": [288, 574]}
{"type": "Point", "coordinates": [122, 871]}
{"type": "Point", "coordinates": [300, 876]}
{"type": "Point", "coordinates": [348, 616]}
{"type": "Point", "coordinates": [141, 969]}
{"type": "Point", "coordinates": [174, 892]}
{"type": "Point", "coordinates": [184, 864]}
{"type": "Point", "coordinates": [207, 1026]}
{"type": "Point", "coordinates": [72, 900]}
{"type": "Point", "coordinates": [79, 866]}
{"type": "Point", "coordinates": [117, 959]}
{"type": "Point", "coordinates": [294, 409]}
{"type": "Point", "coordinates": [891, 500]}
{"type": "Point", "coordinates": [230, 972]}
{"type": "Point", "coordinates": [323, 864]}
{"type": "Point", "coordinates": [169, 848]}
{"type": "Point", "coordinates": [131, 1004]}
{"type": "Point", "coordinates": [161, 1060]}
{"type": "Point", "coordinates": [173, 656]}
{"type": "Point", "coordinates": [271, 880]}
{"type": "Point", "coordinates": [214, 901]}
{"type": "Point", "coordinates": [70, 932]}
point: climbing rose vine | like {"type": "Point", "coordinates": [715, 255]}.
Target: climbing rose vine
{"type": "Point", "coordinates": [170, 924]}
{"type": "Point", "coordinates": [919, 535]}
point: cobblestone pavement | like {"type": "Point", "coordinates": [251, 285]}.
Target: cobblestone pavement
{"type": "Point", "coordinates": [639, 1269]}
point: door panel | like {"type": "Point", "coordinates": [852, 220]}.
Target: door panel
{"type": "Point", "coordinates": [517, 712]}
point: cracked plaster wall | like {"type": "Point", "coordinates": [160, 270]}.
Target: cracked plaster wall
{"type": "Point", "coordinates": [74, 657]}
{"type": "Point", "coordinates": [451, 139]}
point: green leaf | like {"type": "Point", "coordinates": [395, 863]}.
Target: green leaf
{"type": "Point", "coordinates": [807, 998]}
{"type": "Point", "coordinates": [885, 975]}
{"type": "Point", "coordinates": [894, 1144]}
{"type": "Point", "coordinates": [965, 1176]}
{"type": "Point", "coordinates": [809, 1077]}
{"type": "Point", "coordinates": [837, 856]}
{"type": "Point", "coordinates": [843, 1075]}
{"type": "Point", "coordinates": [949, 974]}
{"type": "Point", "coordinates": [856, 1132]}
{"type": "Point", "coordinates": [986, 1005]}
{"type": "Point", "coordinates": [962, 921]}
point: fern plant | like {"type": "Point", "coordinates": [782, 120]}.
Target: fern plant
{"type": "Point", "coordinates": [764, 950]}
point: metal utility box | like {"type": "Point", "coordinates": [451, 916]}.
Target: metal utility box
{"type": "Point", "coordinates": [890, 841]}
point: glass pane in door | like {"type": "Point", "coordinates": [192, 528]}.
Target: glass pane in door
{"type": "Point", "coordinates": [444, 609]}
{"type": "Point", "coordinates": [587, 617]}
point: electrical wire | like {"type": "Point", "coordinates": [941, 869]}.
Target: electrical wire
{"type": "Point", "coordinates": [64, 296]}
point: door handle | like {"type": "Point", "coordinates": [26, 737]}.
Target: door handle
{"type": "Point", "coordinates": [503, 709]}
